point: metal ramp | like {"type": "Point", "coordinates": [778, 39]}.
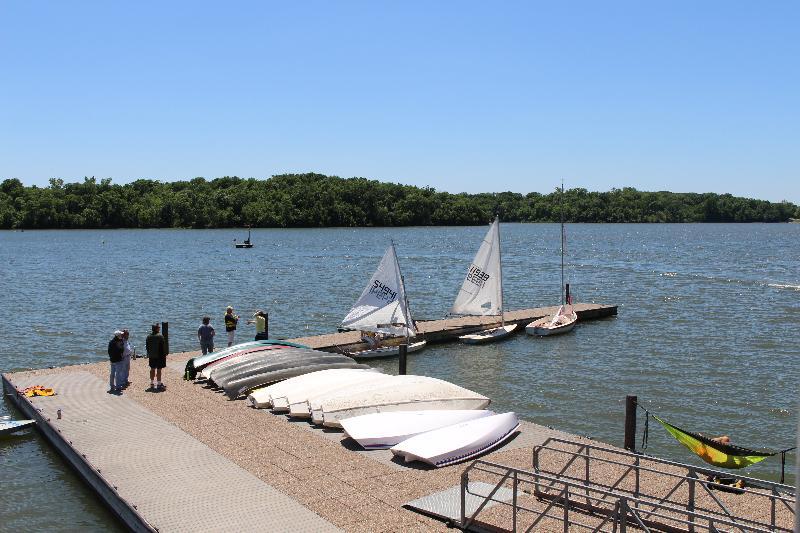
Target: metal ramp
{"type": "Point", "coordinates": [602, 489]}
{"type": "Point", "coordinates": [447, 504]}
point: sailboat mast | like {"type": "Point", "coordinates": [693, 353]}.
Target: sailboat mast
{"type": "Point", "coordinates": [405, 296]}
{"type": "Point", "coordinates": [500, 273]}
{"type": "Point", "coordinates": [562, 241]}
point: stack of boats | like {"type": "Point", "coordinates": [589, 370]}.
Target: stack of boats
{"type": "Point", "coordinates": [241, 368]}
{"type": "Point", "coordinates": [420, 418]}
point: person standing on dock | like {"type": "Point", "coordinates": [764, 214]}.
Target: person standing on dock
{"type": "Point", "coordinates": [115, 349]}
{"type": "Point", "coordinates": [230, 325]}
{"type": "Point", "coordinates": [126, 358]}
{"type": "Point", "coordinates": [205, 334]}
{"type": "Point", "coordinates": [157, 356]}
{"type": "Point", "coordinates": [260, 320]}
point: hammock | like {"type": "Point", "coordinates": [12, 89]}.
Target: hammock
{"type": "Point", "coordinates": [716, 453]}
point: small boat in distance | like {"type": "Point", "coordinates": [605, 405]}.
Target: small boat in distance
{"type": "Point", "coordinates": [481, 293]}
{"type": "Point", "coordinates": [563, 320]}
{"type": "Point", "coordinates": [246, 243]}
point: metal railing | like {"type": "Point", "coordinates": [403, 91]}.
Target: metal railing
{"type": "Point", "coordinates": [537, 496]}
{"type": "Point", "coordinates": [694, 481]}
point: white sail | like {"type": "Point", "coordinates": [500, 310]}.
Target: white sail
{"type": "Point", "coordinates": [482, 290]}
{"type": "Point", "coordinates": [383, 306]}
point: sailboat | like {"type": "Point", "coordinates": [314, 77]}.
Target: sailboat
{"type": "Point", "coordinates": [481, 293]}
{"type": "Point", "coordinates": [246, 243]}
{"type": "Point", "coordinates": [565, 318]}
{"type": "Point", "coordinates": [382, 313]}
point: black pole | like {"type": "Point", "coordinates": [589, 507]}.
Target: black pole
{"type": "Point", "coordinates": [165, 333]}
{"type": "Point", "coordinates": [630, 423]}
{"type": "Point", "coordinates": [266, 325]}
{"type": "Point", "coordinates": [403, 353]}
{"type": "Point", "coordinates": [567, 289]}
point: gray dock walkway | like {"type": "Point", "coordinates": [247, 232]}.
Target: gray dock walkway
{"type": "Point", "coordinates": [449, 329]}
{"type": "Point", "coordinates": [155, 476]}
{"type": "Point", "coordinates": [188, 459]}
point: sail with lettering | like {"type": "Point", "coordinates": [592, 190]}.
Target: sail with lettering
{"type": "Point", "coordinates": [482, 290]}
{"type": "Point", "coordinates": [383, 306]}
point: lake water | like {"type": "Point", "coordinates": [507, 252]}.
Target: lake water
{"type": "Point", "coordinates": [707, 333]}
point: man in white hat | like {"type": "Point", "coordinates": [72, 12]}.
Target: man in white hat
{"type": "Point", "coordinates": [116, 347]}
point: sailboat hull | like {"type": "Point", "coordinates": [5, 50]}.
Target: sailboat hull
{"type": "Point", "coordinates": [387, 351]}
{"type": "Point", "coordinates": [544, 328]}
{"type": "Point", "coordinates": [489, 335]}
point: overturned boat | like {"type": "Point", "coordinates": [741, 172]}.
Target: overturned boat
{"type": "Point", "coordinates": [460, 442]}
{"type": "Point", "coordinates": [279, 369]}
{"type": "Point", "coordinates": [384, 430]}
{"type": "Point", "coordinates": [196, 364]}
{"type": "Point", "coordinates": [301, 405]}
{"type": "Point", "coordinates": [401, 393]}
{"type": "Point", "coordinates": [266, 397]}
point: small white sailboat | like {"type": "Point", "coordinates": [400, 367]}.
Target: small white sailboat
{"type": "Point", "coordinates": [382, 309]}
{"type": "Point", "coordinates": [481, 293]}
{"type": "Point", "coordinates": [565, 318]}
{"type": "Point", "coordinates": [453, 444]}
{"type": "Point", "coordinates": [384, 430]}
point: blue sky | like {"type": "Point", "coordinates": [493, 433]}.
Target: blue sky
{"type": "Point", "coordinates": [459, 96]}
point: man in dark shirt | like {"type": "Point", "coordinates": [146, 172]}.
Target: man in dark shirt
{"type": "Point", "coordinates": [157, 356]}
{"type": "Point", "coordinates": [116, 346]}
{"type": "Point", "coordinates": [205, 334]}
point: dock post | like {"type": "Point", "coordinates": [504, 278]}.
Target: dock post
{"type": "Point", "coordinates": [403, 353]}
{"type": "Point", "coordinates": [630, 423]}
{"type": "Point", "coordinates": [566, 293]}
{"type": "Point", "coordinates": [165, 333]}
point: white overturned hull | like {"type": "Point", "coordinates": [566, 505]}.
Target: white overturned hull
{"type": "Point", "coordinates": [305, 384]}
{"type": "Point", "coordinates": [545, 326]}
{"type": "Point", "coordinates": [300, 406]}
{"type": "Point", "coordinates": [10, 426]}
{"type": "Point", "coordinates": [387, 351]}
{"type": "Point", "coordinates": [402, 393]}
{"type": "Point", "coordinates": [489, 335]}
{"type": "Point", "coordinates": [460, 442]}
{"type": "Point", "coordinates": [384, 430]}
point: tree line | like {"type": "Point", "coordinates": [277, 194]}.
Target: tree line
{"type": "Point", "coordinates": [315, 200]}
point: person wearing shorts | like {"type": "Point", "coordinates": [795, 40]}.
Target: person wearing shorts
{"type": "Point", "coordinates": [157, 356]}
{"type": "Point", "coordinates": [230, 325]}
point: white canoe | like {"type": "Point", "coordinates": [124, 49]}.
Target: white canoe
{"type": "Point", "coordinates": [489, 335]}
{"type": "Point", "coordinates": [453, 444]}
{"type": "Point", "coordinates": [301, 405]}
{"type": "Point", "coordinates": [387, 351]}
{"type": "Point", "coordinates": [384, 430]}
{"type": "Point", "coordinates": [10, 426]}
{"type": "Point", "coordinates": [401, 393]}
{"type": "Point", "coordinates": [545, 326]}
{"type": "Point", "coordinates": [266, 396]}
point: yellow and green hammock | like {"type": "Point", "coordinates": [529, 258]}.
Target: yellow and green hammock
{"type": "Point", "coordinates": [716, 453]}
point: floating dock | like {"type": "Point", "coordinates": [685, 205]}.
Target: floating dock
{"type": "Point", "coordinates": [189, 459]}
{"type": "Point", "coordinates": [449, 329]}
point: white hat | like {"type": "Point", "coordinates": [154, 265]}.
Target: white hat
{"type": "Point", "coordinates": [118, 333]}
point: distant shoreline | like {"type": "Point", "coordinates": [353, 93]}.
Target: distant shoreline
{"type": "Point", "coordinates": [318, 201]}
